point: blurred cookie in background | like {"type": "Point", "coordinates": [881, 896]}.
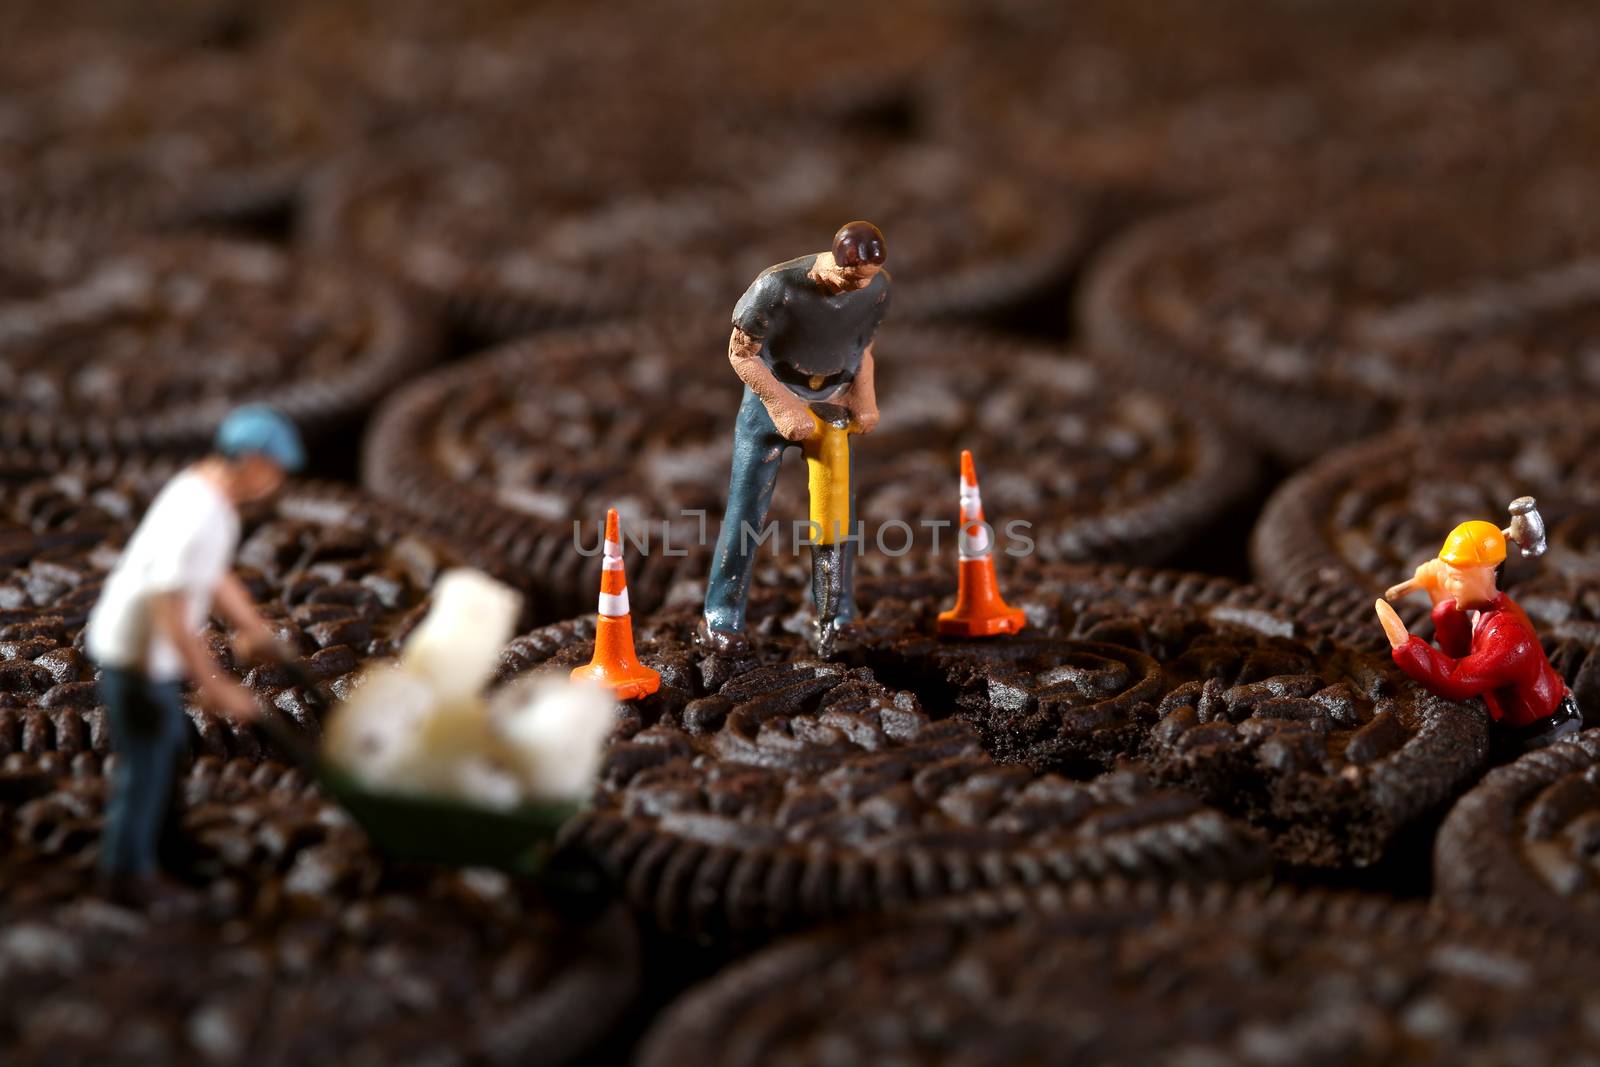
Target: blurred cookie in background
{"type": "Point", "coordinates": [1307, 328]}
{"type": "Point", "coordinates": [517, 224]}
{"type": "Point", "coordinates": [123, 343]}
{"type": "Point", "coordinates": [27, 24]}
{"type": "Point", "coordinates": [1159, 103]}
{"type": "Point", "coordinates": [805, 62]}
{"type": "Point", "coordinates": [410, 61]}
{"type": "Point", "coordinates": [109, 132]}
{"type": "Point", "coordinates": [814, 61]}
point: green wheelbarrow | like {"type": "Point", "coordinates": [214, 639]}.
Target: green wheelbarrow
{"type": "Point", "coordinates": [420, 828]}
{"type": "Point", "coordinates": [450, 832]}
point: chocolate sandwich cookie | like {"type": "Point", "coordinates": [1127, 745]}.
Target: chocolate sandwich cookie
{"type": "Point", "coordinates": [510, 224]}
{"type": "Point", "coordinates": [134, 136]}
{"type": "Point", "coordinates": [515, 225]}
{"type": "Point", "coordinates": [131, 343]}
{"type": "Point", "coordinates": [1262, 708]}
{"type": "Point", "coordinates": [341, 578]}
{"type": "Point", "coordinates": [795, 64]}
{"type": "Point", "coordinates": [1128, 975]}
{"type": "Point", "coordinates": [1345, 529]}
{"type": "Point", "coordinates": [1520, 848]}
{"type": "Point", "coordinates": [1308, 329]}
{"type": "Point", "coordinates": [288, 939]}
{"type": "Point", "coordinates": [32, 24]}
{"type": "Point", "coordinates": [1195, 98]}
{"type": "Point", "coordinates": [811, 60]}
{"type": "Point", "coordinates": [771, 790]}
{"type": "Point", "coordinates": [515, 446]}
{"type": "Point", "coordinates": [404, 62]}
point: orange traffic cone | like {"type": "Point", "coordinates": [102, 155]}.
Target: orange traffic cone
{"type": "Point", "coordinates": [979, 610]}
{"type": "Point", "coordinates": [614, 664]}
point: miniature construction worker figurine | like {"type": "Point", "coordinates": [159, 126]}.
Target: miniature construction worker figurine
{"type": "Point", "coordinates": [144, 633]}
{"type": "Point", "coordinates": [802, 344]}
{"type": "Point", "coordinates": [1487, 645]}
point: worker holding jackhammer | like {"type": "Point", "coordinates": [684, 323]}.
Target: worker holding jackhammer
{"type": "Point", "coordinates": [802, 345]}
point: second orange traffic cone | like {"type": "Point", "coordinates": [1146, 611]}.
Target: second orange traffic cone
{"type": "Point", "coordinates": [614, 664]}
{"type": "Point", "coordinates": [980, 611]}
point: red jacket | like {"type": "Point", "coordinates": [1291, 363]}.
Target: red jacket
{"type": "Point", "coordinates": [1499, 659]}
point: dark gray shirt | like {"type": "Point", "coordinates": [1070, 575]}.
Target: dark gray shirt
{"type": "Point", "coordinates": [811, 339]}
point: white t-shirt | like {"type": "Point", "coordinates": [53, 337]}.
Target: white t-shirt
{"type": "Point", "coordinates": [185, 543]}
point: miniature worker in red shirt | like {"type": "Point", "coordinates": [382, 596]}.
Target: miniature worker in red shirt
{"type": "Point", "coordinates": [1487, 646]}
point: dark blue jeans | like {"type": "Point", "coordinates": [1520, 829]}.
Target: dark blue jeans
{"type": "Point", "coordinates": [758, 450]}
{"type": "Point", "coordinates": [148, 733]}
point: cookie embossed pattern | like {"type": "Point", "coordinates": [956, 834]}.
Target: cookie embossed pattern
{"type": "Point", "coordinates": [1519, 848]}
{"type": "Point", "coordinates": [1147, 724]}
{"type": "Point", "coordinates": [120, 134]}
{"type": "Point", "coordinates": [133, 343]}
{"type": "Point", "coordinates": [1254, 704]}
{"type": "Point", "coordinates": [291, 939]}
{"type": "Point", "coordinates": [1128, 974]}
{"type": "Point", "coordinates": [513, 446]}
{"type": "Point", "coordinates": [767, 790]}
{"type": "Point", "coordinates": [1311, 328]}
{"type": "Point", "coordinates": [669, 217]}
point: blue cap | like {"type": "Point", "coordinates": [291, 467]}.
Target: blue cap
{"type": "Point", "coordinates": [256, 429]}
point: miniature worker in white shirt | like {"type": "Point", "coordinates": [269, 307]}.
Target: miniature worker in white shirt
{"type": "Point", "coordinates": [144, 633]}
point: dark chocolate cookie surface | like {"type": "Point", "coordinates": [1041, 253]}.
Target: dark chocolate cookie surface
{"type": "Point", "coordinates": [772, 790]}
{"type": "Point", "coordinates": [147, 342]}
{"type": "Point", "coordinates": [1124, 732]}
{"type": "Point", "coordinates": [1522, 847]}
{"type": "Point", "coordinates": [519, 444]}
{"type": "Point", "coordinates": [288, 941]}
{"type": "Point", "coordinates": [791, 64]}
{"type": "Point", "coordinates": [1307, 328]}
{"type": "Point", "coordinates": [1132, 976]}
{"type": "Point", "coordinates": [1342, 531]}
{"type": "Point", "coordinates": [340, 577]}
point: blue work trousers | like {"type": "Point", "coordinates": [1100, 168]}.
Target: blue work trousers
{"type": "Point", "coordinates": [148, 733]}
{"type": "Point", "coordinates": [758, 450]}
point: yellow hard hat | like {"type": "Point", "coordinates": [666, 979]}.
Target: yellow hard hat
{"type": "Point", "coordinates": [1474, 544]}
